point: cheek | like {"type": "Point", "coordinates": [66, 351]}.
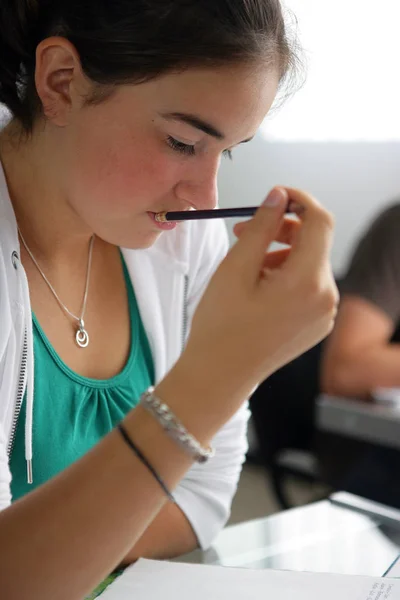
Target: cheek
{"type": "Point", "coordinates": [122, 174]}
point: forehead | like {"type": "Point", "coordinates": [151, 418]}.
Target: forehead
{"type": "Point", "coordinates": [234, 99]}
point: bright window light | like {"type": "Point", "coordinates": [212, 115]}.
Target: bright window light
{"type": "Point", "coordinates": [352, 91]}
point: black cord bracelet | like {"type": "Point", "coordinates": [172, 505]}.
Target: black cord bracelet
{"type": "Point", "coordinates": [144, 460]}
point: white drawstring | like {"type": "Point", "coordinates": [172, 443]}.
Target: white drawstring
{"type": "Point", "coordinates": [29, 373]}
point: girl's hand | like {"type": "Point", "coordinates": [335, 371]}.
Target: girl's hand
{"type": "Point", "coordinates": [261, 310]}
{"type": "Point", "coordinates": [285, 235]}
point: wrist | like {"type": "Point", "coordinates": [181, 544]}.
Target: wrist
{"type": "Point", "coordinates": [169, 460]}
{"type": "Point", "coordinates": [203, 398]}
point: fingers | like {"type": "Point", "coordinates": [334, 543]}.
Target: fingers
{"type": "Point", "coordinates": [285, 234]}
{"type": "Point", "coordinates": [238, 228]}
{"type": "Point", "coordinates": [249, 251]}
{"type": "Point", "coordinates": [274, 260]}
{"type": "Point", "coordinates": [310, 236]}
{"type": "Point", "coordinates": [312, 242]}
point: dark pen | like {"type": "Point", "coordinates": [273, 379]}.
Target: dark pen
{"type": "Point", "coordinates": [216, 213]}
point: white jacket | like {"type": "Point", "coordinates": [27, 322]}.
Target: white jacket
{"type": "Point", "coordinates": [169, 279]}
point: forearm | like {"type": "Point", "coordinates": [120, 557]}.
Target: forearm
{"type": "Point", "coordinates": [358, 375]}
{"type": "Point", "coordinates": [62, 539]}
{"type": "Point", "coordinates": [169, 535]}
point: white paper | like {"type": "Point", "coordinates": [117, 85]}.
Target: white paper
{"type": "Point", "coordinates": [158, 580]}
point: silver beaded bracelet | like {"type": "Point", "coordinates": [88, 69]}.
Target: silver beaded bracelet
{"type": "Point", "coordinates": [174, 428]}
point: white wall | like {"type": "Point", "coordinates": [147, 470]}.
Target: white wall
{"type": "Point", "coordinates": [353, 180]}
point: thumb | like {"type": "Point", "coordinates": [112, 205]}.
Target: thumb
{"type": "Point", "coordinates": [248, 253]}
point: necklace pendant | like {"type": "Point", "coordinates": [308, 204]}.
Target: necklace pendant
{"type": "Point", "coordinates": [82, 336]}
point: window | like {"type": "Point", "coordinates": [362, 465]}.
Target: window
{"type": "Point", "coordinates": [352, 91]}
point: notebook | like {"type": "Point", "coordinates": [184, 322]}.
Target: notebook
{"type": "Point", "coordinates": [155, 580]}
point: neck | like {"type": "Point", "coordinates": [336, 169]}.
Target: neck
{"type": "Point", "coordinates": [51, 228]}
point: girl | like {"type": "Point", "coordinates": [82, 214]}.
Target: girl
{"type": "Point", "coordinates": [121, 110]}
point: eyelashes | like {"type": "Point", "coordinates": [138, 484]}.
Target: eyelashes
{"type": "Point", "coordinates": [180, 147]}
{"type": "Point", "coordinates": [189, 150]}
{"type": "Point", "coordinates": [227, 154]}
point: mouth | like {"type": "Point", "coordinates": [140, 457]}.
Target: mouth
{"type": "Point", "coordinates": [164, 226]}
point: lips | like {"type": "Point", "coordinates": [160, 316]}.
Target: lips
{"type": "Point", "coordinates": [167, 226]}
{"type": "Point", "coordinates": [175, 209]}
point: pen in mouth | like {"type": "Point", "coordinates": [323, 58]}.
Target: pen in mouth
{"type": "Point", "coordinates": [216, 213]}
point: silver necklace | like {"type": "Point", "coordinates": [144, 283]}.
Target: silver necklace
{"type": "Point", "coordinates": [81, 336]}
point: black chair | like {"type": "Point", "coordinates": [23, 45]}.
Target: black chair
{"type": "Point", "coordinates": [283, 415]}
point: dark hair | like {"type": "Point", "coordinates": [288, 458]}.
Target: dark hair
{"type": "Point", "coordinates": [133, 41]}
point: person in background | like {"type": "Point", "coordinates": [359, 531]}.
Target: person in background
{"type": "Point", "coordinates": [362, 354]}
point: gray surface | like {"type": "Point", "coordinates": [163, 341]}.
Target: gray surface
{"type": "Point", "coordinates": [359, 420]}
{"type": "Point", "coordinates": [320, 537]}
{"type": "Point", "coordinates": [385, 514]}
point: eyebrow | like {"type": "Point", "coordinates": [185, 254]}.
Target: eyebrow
{"type": "Point", "coordinates": [198, 123]}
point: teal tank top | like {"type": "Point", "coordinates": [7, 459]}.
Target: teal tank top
{"type": "Point", "coordinates": [71, 412]}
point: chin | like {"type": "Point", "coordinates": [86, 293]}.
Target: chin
{"type": "Point", "coordinates": [139, 242]}
{"type": "Point", "coordinates": [132, 237]}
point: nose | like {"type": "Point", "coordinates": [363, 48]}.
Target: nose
{"type": "Point", "coordinates": [199, 188]}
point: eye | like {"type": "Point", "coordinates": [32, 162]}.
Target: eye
{"type": "Point", "coordinates": [180, 147]}
{"type": "Point", "coordinates": [227, 154]}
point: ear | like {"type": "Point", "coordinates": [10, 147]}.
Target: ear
{"type": "Point", "coordinates": [60, 81]}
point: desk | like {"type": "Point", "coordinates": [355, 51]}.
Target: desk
{"type": "Point", "coordinates": [374, 423]}
{"type": "Point", "coordinates": [320, 537]}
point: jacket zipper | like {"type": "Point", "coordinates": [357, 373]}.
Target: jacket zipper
{"type": "Point", "coordinates": [20, 395]}
{"type": "Point", "coordinates": [185, 310]}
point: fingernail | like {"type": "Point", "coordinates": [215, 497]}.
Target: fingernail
{"type": "Point", "coordinates": [275, 197]}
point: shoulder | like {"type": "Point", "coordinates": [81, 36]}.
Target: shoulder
{"type": "Point", "coordinates": [9, 244]}
{"type": "Point", "coordinates": [208, 246]}
{"type": "Point", "coordinates": [191, 243]}
{"type": "Point", "coordinates": [209, 236]}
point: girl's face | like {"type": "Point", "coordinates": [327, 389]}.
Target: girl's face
{"type": "Point", "coordinates": [157, 147]}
